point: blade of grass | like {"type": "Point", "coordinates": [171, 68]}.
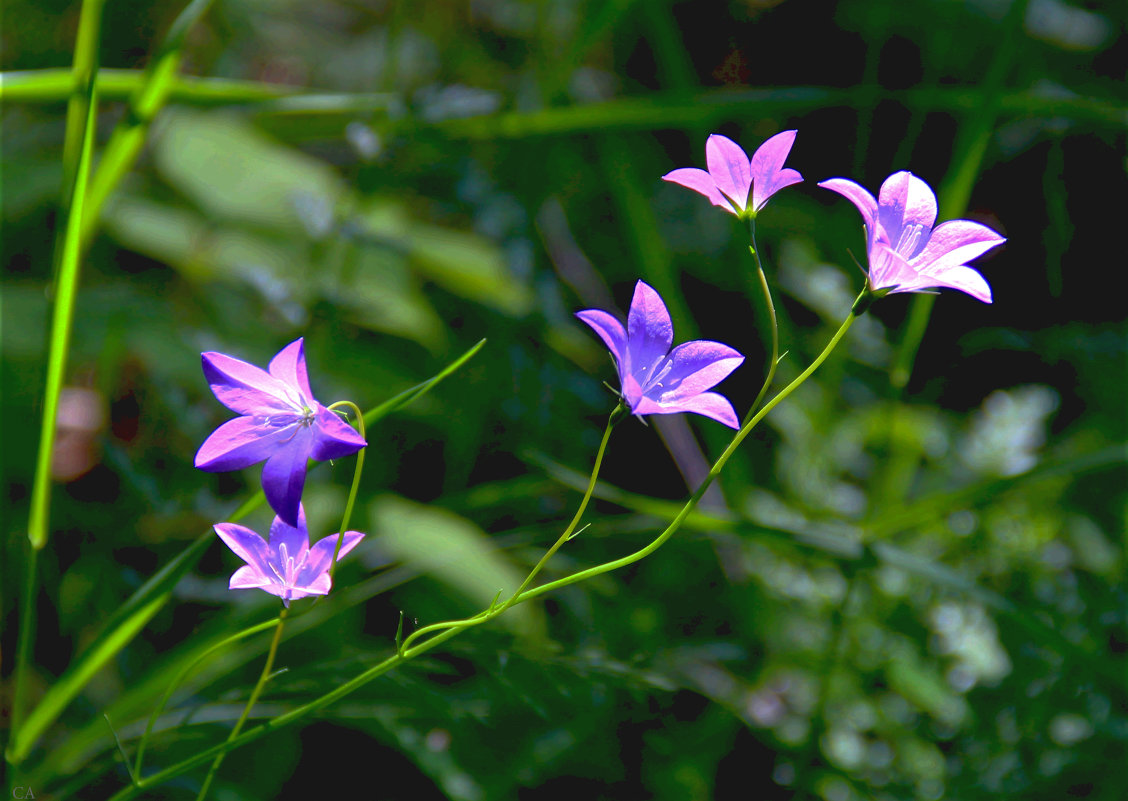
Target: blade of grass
{"type": "Point", "coordinates": [53, 85]}
{"type": "Point", "coordinates": [61, 324]}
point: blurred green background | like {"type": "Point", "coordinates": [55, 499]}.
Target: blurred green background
{"type": "Point", "coordinates": [906, 586]}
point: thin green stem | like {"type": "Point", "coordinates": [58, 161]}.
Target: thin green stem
{"type": "Point", "coordinates": [405, 653]}
{"type": "Point", "coordinates": [355, 482]}
{"type": "Point", "coordinates": [494, 610]}
{"type": "Point", "coordinates": [774, 362]}
{"type": "Point", "coordinates": [266, 668]}
{"type": "Point", "coordinates": [179, 678]}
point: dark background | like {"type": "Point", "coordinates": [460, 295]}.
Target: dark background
{"type": "Point", "coordinates": [485, 169]}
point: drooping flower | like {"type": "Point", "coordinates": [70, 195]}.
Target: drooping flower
{"type": "Point", "coordinates": [732, 175]}
{"type": "Point", "coordinates": [285, 566]}
{"type": "Point", "coordinates": [655, 379]}
{"type": "Point", "coordinates": [280, 422]}
{"type": "Point", "coordinates": [905, 253]}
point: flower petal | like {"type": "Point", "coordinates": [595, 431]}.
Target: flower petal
{"type": "Point", "coordinates": [701, 182]}
{"type": "Point", "coordinates": [709, 404]}
{"type": "Point", "coordinates": [246, 578]}
{"type": "Point", "coordinates": [246, 389]}
{"type": "Point", "coordinates": [964, 279]}
{"type": "Point", "coordinates": [321, 555]}
{"type": "Point", "coordinates": [333, 438]}
{"type": "Point", "coordinates": [695, 367]}
{"type": "Point", "coordinates": [649, 332]}
{"type": "Point", "coordinates": [887, 268]}
{"type": "Point", "coordinates": [294, 538]}
{"type": "Point", "coordinates": [955, 243]}
{"type": "Point", "coordinates": [320, 585]}
{"type": "Point", "coordinates": [289, 367]}
{"type": "Point", "coordinates": [856, 194]}
{"type": "Point", "coordinates": [247, 545]}
{"type": "Point", "coordinates": [612, 333]}
{"type": "Point", "coordinates": [730, 169]}
{"type": "Point", "coordinates": [283, 475]}
{"type": "Point", "coordinates": [242, 442]}
{"type": "Point", "coordinates": [768, 173]}
{"type": "Point", "coordinates": [906, 212]}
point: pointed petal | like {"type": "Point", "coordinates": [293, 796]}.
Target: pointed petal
{"type": "Point", "coordinates": [966, 280]}
{"type": "Point", "coordinates": [321, 555]}
{"type": "Point", "coordinates": [244, 388]}
{"type": "Point", "coordinates": [247, 545]}
{"type": "Point", "coordinates": [888, 269]}
{"type": "Point", "coordinates": [701, 182]}
{"type": "Point", "coordinates": [294, 538]}
{"type": "Point", "coordinates": [955, 243]}
{"type": "Point", "coordinates": [728, 164]}
{"type": "Point", "coordinates": [240, 443]}
{"type": "Point", "coordinates": [283, 475]}
{"type": "Point", "coordinates": [632, 392]}
{"type": "Point", "coordinates": [709, 404]}
{"type": "Point", "coordinates": [289, 367]}
{"type": "Point", "coordinates": [612, 333]}
{"type": "Point", "coordinates": [856, 194]}
{"type": "Point", "coordinates": [695, 367]}
{"type": "Point", "coordinates": [333, 438]}
{"type": "Point", "coordinates": [320, 585]}
{"type": "Point", "coordinates": [906, 212]}
{"type": "Point", "coordinates": [768, 174]}
{"type": "Point", "coordinates": [649, 331]}
{"type": "Point", "coordinates": [246, 578]}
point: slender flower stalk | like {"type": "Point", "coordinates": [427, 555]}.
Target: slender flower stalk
{"type": "Point", "coordinates": [266, 668]}
{"type": "Point", "coordinates": [355, 482]}
{"type": "Point", "coordinates": [774, 362]}
{"type": "Point", "coordinates": [569, 532]}
{"type": "Point", "coordinates": [446, 631]}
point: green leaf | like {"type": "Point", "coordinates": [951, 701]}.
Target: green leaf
{"type": "Point", "coordinates": [452, 550]}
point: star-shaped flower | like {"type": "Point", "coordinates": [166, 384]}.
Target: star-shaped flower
{"type": "Point", "coordinates": [281, 422]}
{"type": "Point", "coordinates": [732, 175]}
{"type": "Point", "coordinates": [655, 379]}
{"type": "Point", "coordinates": [286, 566]}
{"type": "Point", "coordinates": [905, 253]}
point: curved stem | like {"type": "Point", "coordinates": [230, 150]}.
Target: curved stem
{"type": "Point", "coordinates": [494, 611]}
{"type": "Point", "coordinates": [250, 703]}
{"type": "Point", "coordinates": [771, 316]}
{"type": "Point", "coordinates": [404, 653]}
{"type": "Point", "coordinates": [184, 671]}
{"type": "Point", "coordinates": [355, 482]}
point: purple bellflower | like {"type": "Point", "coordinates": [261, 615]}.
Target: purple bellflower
{"type": "Point", "coordinates": [905, 253]}
{"type": "Point", "coordinates": [655, 379]}
{"type": "Point", "coordinates": [732, 175]}
{"type": "Point", "coordinates": [286, 566]}
{"type": "Point", "coordinates": [280, 422]}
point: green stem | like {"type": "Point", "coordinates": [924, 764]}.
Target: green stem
{"type": "Point", "coordinates": [62, 321]}
{"type": "Point", "coordinates": [493, 610]}
{"type": "Point", "coordinates": [180, 676]}
{"type": "Point", "coordinates": [266, 668]}
{"type": "Point", "coordinates": [771, 316]}
{"type": "Point", "coordinates": [355, 482]}
{"type": "Point", "coordinates": [405, 653]}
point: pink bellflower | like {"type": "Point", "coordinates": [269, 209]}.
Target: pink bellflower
{"type": "Point", "coordinates": [285, 566]}
{"type": "Point", "coordinates": [281, 422]}
{"type": "Point", "coordinates": [905, 253]}
{"type": "Point", "coordinates": [655, 379]}
{"type": "Point", "coordinates": [732, 176]}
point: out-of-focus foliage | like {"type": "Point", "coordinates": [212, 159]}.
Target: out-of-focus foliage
{"type": "Point", "coordinates": [894, 595]}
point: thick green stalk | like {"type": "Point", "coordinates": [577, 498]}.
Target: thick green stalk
{"type": "Point", "coordinates": [61, 324]}
{"type": "Point", "coordinates": [266, 668]}
{"type": "Point", "coordinates": [403, 654]}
